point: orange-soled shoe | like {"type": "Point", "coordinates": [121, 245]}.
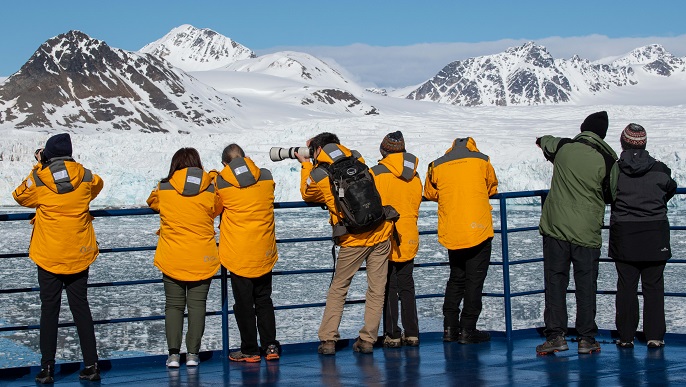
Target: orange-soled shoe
{"type": "Point", "coordinates": [272, 352]}
{"type": "Point", "coordinates": [242, 357]}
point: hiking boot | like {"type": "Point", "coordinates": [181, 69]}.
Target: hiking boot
{"type": "Point", "coordinates": [624, 344]}
{"type": "Point", "coordinates": [451, 333]}
{"type": "Point", "coordinates": [272, 352]}
{"type": "Point", "coordinates": [90, 373]}
{"type": "Point", "coordinates": [46, 375]}
{"type": "Point", "coordinates": [192, 360]}
{"type": "Point", "coordinates": [243, 357]}
{"type": "Point", "coordinates": [555, 344]}
{"type": "Point", "coordinates": [656, 343]}
{"type": "Point", "coordinates": [173, 360]}
{"type": "Point", "coordinates": [473, 336]}
{"type": "Point", "coordinates": [588, 345]}
{"type": "Point", "coordinates": [389, 342]}
{"type": "Point", "coordinates": [363, 346]}
{"type": "Point", "coordinates": [327, 347]}
{"type": "Point", "coordinates": [411, 341]}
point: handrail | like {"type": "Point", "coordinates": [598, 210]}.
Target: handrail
{"type": "Point", "coordinates": [504, 231]}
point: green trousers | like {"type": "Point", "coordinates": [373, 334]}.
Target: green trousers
{"type": "Point", "coordinates": [180, 294]}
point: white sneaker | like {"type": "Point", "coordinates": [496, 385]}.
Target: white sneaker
{"type": "Point", "coordinates": [192, 359]}
{"type": "Point", "coordinates": [173, 360]}
{"type": "Point", "coordinates": [656, 343]}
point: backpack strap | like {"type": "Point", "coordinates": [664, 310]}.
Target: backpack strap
{"type": "Point", "coordinates": [609, 162]}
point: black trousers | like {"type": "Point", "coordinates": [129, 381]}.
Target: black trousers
{"type": "Point", "coordinates": [400, 286]}
{"type": "Point", "coordinates": [557, 257]}
{"type": "Point", "coordinates": [253, 297]}
{"type": "Point", "coordinates": [653, 286]}
{"type": "Point", "coordinates": [468, 269]}
{"type": "Point", "coordinates": [51, 298]}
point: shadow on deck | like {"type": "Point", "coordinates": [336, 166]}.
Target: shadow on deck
{"type": "Point", "coordinates": [433, 363]}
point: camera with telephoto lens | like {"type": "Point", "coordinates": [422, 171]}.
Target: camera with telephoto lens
{"type": "Point", "coordinates": [278, 154]}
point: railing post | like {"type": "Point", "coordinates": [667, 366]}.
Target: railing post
{"type": "Point", "coordinates": [506, 267]}
{"type": "Point", "coordinates": [225, 312]}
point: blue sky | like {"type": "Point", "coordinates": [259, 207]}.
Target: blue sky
{"type": "Point", "coordinates": [367, 38]}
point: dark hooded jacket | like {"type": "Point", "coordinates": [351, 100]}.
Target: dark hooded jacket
{"type": "Point", "coordinates": [639, 227]}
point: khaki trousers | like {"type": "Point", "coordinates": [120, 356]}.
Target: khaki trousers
{"type": "Point", "coordinates": [349, 261]}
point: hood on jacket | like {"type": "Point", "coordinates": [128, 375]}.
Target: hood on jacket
{"type": "Point", "coordinates": [402, 165]}
{"type": "Point", "coordinates": [241, 172]}
{"type": "Point", "coordinates": [190, 181]}
{"type": "Point", "coordinates": [332, 152]}
{"type": "Point", "coordinates": [61, 175]}
{"type": "Point", "coordinates": [635, 162]}
{"type": "Point", "coordinates": [467, 142]}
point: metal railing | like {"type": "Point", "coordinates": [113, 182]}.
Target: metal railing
{"type": "Point", "coordinates": [223, 276]}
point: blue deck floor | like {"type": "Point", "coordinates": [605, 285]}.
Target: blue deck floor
{"type": "Point", "coordinates": [434, 363]}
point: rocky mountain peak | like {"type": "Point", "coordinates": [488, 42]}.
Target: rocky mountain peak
{"type": "Point", "coordinates": [197, 49]}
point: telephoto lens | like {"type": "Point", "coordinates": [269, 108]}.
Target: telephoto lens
{"type": "Point", "coordinates": [278, 154]}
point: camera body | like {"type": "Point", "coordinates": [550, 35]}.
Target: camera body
{"type": "Point", "coordinates": [278, 154]}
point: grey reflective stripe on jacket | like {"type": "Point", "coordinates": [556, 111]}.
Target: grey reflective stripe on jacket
{"type": "Point", "coordinates": [265, 175]}
{"type": "Point", "coordinates": [240, 169]}
{"type": "Point", "coordinates": [59, 173]}
{"type": "Point", "coordinates": [380, 169]}
{"type": "Point", "coordinates": [335, 153]}
{"type": "Point", "coordinates": [318, 174]}
{"type": "Point", "coordinates": [458, 152]}
{"type": "Point", "coordinates": [192, 183]}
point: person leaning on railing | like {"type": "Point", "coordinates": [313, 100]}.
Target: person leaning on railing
{"type": "Point", "coordinates": [461, 181]}
{"type": "Point", "coordinates": [571, 221]}
{"type": "Point", "coordinates": [186, 251]}
{"type": "Point", "coordinates": [639, 238]}
{"type": "Point", "coordinates": [63, 246]}
{"type": "Point", "coordinates": [399, 186]}
{"type": "Point", "coordinates": [247, 248]}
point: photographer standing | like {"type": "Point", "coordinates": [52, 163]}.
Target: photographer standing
{"type": "Point", "coordinates": [371, 246]}
{"type": "Point", "coordinates": [63, 246]}
{"type": "Point", "coordinates": [247, 248]}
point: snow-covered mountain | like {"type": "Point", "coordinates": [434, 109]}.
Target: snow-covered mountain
{"type": "Point", "coordinates": [74, 81]}
{"type": "Point", "coordinates": [529, 75]}
{"type": "Point", "coordinates": [194, 49]}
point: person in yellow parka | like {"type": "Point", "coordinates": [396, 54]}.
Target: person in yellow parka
{"type": "Point", "coordinates": [371, 246]}
{"type": "Point", "coordinates": [461, 181]}
{"type": "Point", "coordinates": [63, 246]}
{"type": "Point", "coordinates": [399, 186]}
{"type": "Point", "coordinates": [247, 248]}
{"type": "Point", "coordinates": [186, 251]}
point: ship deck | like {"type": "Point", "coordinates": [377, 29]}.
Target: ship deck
{"type": "Point", "coordinates": [434, 363]}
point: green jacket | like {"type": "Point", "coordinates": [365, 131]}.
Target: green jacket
{"type": "Point", "coordinates": [574, 209]}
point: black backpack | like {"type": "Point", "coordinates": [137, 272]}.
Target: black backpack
{"type": "Point", "coordinates": [355, 195]}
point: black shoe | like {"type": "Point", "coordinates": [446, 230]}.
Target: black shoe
{"type": "Point", "coordinates": [624, 344]}
{"type": "Point", "coordinates": [555, 344]}
{"type": "Point", "coordinates": [451, 333]}
{"type": "Point", "coordinates": [46, 375]}
{"type": "Point", "coordinates": [90, 373]}
{"type": "Point", "coordinates": [588, 345]}
{"type": "Point", "coordinates": [473, 336]}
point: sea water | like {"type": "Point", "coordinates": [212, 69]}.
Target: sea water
{"type": "Point", "coordinates": [293, 325]}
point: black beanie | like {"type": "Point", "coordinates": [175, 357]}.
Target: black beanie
{"type": "Point", "coordinates": [58, 145]}
{"type": "Point", "coordinates": [596, 123]}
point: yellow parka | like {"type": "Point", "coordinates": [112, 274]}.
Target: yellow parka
{"type": "Point", "coordinates": [247, 240]}
{"type": "Point", "coordinates": [63, 239]}
{"type": "Point", "coordinates": [399, 186]}
{"type": "Point", "coordinates": [461, 181]}
{"type": "Point", "coordinates": [188, 204]}
{"type": "Point", "coordinates": [315, 187]}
